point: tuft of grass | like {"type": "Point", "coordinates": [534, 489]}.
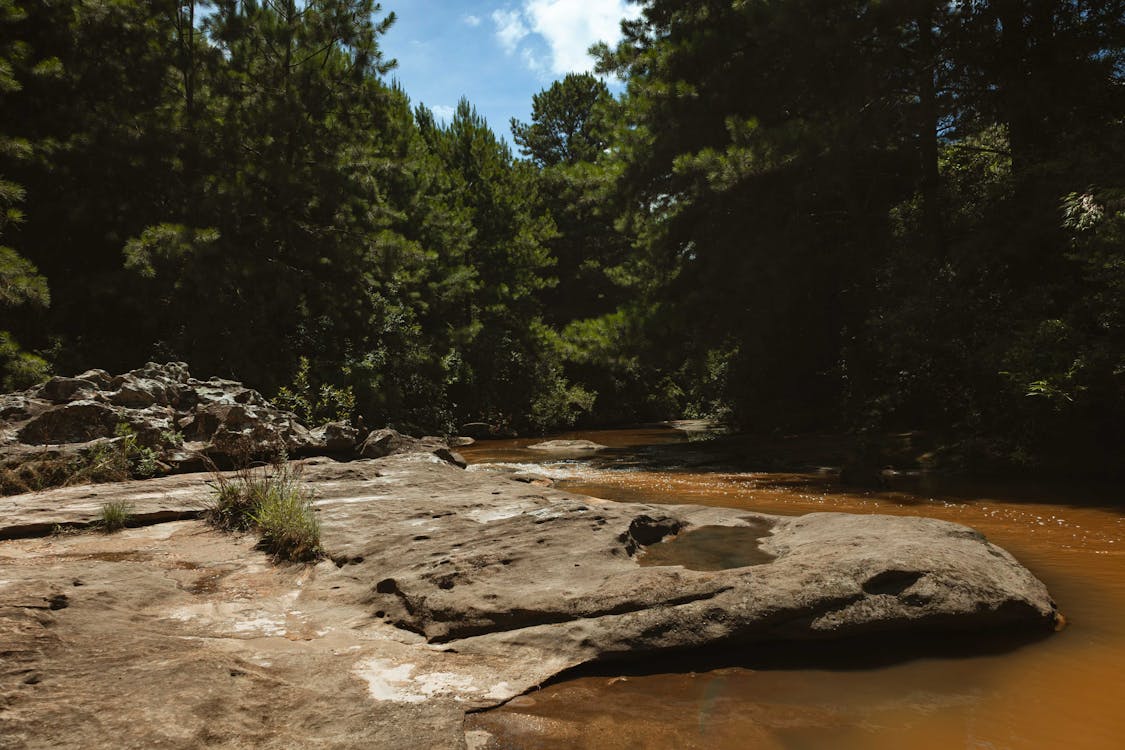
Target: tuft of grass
{"type": "Point", "coordinates": [287, 522]}
{"type": "Point", "coordinates": [275, 502]}
{"type": "Point", "coordinates": [233, 500]}
{"type": "Point", "coordinates": [115, 515]}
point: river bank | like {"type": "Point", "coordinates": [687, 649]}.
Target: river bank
{"type": "Point", "coordinates": [443, 591]}
{"type": "Point", "coordinates": [1063, 691]}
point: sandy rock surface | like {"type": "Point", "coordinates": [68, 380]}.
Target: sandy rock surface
{"type": "Point", "coordinates": [446, 590]}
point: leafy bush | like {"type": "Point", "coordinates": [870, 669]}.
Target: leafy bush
{"type": "Point", "coordinates": [172, 439]}
{"type": "Point", "coordinates": [19, 369]}
{"type": "Point", "coordinates": [233, 500]}
{"type": "Point", "coordinates": [286, 520]}
{"type": "Point", "coordinates": [315, 405]}
{"type": "Point", "coordinates": [115, 461]}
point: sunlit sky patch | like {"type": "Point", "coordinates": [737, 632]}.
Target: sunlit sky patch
{"type": "Point", "coordinates": [496, 53]}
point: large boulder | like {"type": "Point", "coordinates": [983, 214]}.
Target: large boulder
{"type": "Point", "coordinates": [386, 442]}
{"type": "Point", "coordinates": [336, 437]}
{"type": "Point", "coordinates": [492, 564]}
{"type": "Point", "coordinates": [75, 422]}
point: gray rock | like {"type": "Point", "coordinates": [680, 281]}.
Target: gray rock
{"type": "Point", "coordinates": [336, 437]}
{"type": "Point", "coordinates": [477, 430]}
{"type": "Point", "coordinates": [222, 421]}
{"type": "Point", "coordinates": [491, 565]}
{"type": "Point", "coordinates": [451, 457]}
{"type": "Point", "coordinates": [139, 394]}
{"type": "Point", "coordinates": [528, 477]}
{"type": "Point", "coordinates": [385, 442]}
{"type": "Point", "coordinates": [74, 422]}
{"type": "Point", "coordinates": [16, 406]}
{"type": "Point", "coordinates": [61, 390]}
{"type": "Point", "coordinates": [100, 379]}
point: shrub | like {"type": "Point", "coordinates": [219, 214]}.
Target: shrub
{"type": "Point", "coordinates": [287, 522]}
{"type": "Point", "coordinates": [315, 405]}
{"type": "Point", "coordinates": [232, 502]}
{"type": "Point", "coordinates": [139, 460]}
{"type": "Point", "coordinates": [104, 462]}
{"type": "Point", "coordinates": [172, 439]}
{"type": "Point", "coordinates": [273, 500]}
{"type": "Point", "coordinates": [115, 515]}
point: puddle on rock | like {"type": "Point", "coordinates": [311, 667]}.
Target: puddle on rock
{"type": "Point", "coordinates": [711, 548]}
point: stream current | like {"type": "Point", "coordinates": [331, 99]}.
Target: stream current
{"type": "Point", "coordinates": [1064, 691]}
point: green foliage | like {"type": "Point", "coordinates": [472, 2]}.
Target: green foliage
{"type": "Point", "coordinates": [850, 216]}
{"type": "Point", "coordinates": [233, 501]}
{"type": "Point", "coordinates": [114, 516]}
{"type": "Point", "coordinates": [140, 459]}
{"type": "Point", "coordinates": [801, 214]}
{"type": "Point", "coordinates": [274, 501]}
{"type": "Point", "coordinates": [21, 284]}
{"type": "Point", "coordinates": [288, 524]}
{"type": "Point", "coordinates": [572, 122]}
{"type": "Point", "coordinates": [19, 369]}
{"type": "Point", "coordinates": [315, 405]}
{"type": "Point", "coordinates": [164, 246]}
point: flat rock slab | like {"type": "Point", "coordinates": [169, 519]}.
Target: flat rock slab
{"type": "Point", "coordinates": [178, 636]}
{"type": "Point", "coordinates": [446, 590]}
{"type": "Point", "coordinates": [152, 501]}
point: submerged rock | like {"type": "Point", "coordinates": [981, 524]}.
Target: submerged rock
{"type": "Point", "coordinates": [566, 446]}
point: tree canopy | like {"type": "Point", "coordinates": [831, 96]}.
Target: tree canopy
{"type": "Point", "coordinates": [799, 214]}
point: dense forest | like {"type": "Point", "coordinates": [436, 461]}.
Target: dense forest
{"type": "Point", "coordinates": [800, 215]}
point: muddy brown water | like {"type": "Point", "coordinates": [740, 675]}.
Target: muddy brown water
{"type": "Point", "coordinates": [1065, 691]}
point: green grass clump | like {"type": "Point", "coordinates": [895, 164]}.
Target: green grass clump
{"type": "Point", "coordinates": [275, 502]}
{"type": "Point", "coordinates": [233, 501]}
{"type": "Point", "coordinates": [288, 524]}
{"type": "Point", "coordinates": [115, 515]}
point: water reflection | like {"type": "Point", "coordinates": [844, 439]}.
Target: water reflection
{"type": "Point", "coordinates": [711, 548]}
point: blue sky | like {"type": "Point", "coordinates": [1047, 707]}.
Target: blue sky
{"type": "Point", "coordinates": [496, 53]}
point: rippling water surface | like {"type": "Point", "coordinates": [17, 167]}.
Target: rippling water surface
{"type": "Point", "coordinates": [1067, 691]}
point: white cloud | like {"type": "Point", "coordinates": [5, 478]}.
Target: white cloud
{"type": "Point", "coordinates": [531, 62]}
{"type": "Point", "coordinates": [443, 112]}
{"type": "Point", "coordinates": [510, 29]}
{"type": "Point", "coordinates": [571, 26]}
{"type": "Point", "coordinates": [471, 20]}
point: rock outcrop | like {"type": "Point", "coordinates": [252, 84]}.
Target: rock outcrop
{"type": "Point", "coordinates": [186, 423]}
{"type": "Point", "coordinates": [444, 590]}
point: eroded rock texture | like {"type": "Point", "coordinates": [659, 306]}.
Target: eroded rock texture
{"type": "Point", "coordinates": [188, 423]}
{"type": "Point", "coordinates": [444, 590]}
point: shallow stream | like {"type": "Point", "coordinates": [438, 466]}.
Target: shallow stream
{"type": "Point", "coordinates": [1065, 691]}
